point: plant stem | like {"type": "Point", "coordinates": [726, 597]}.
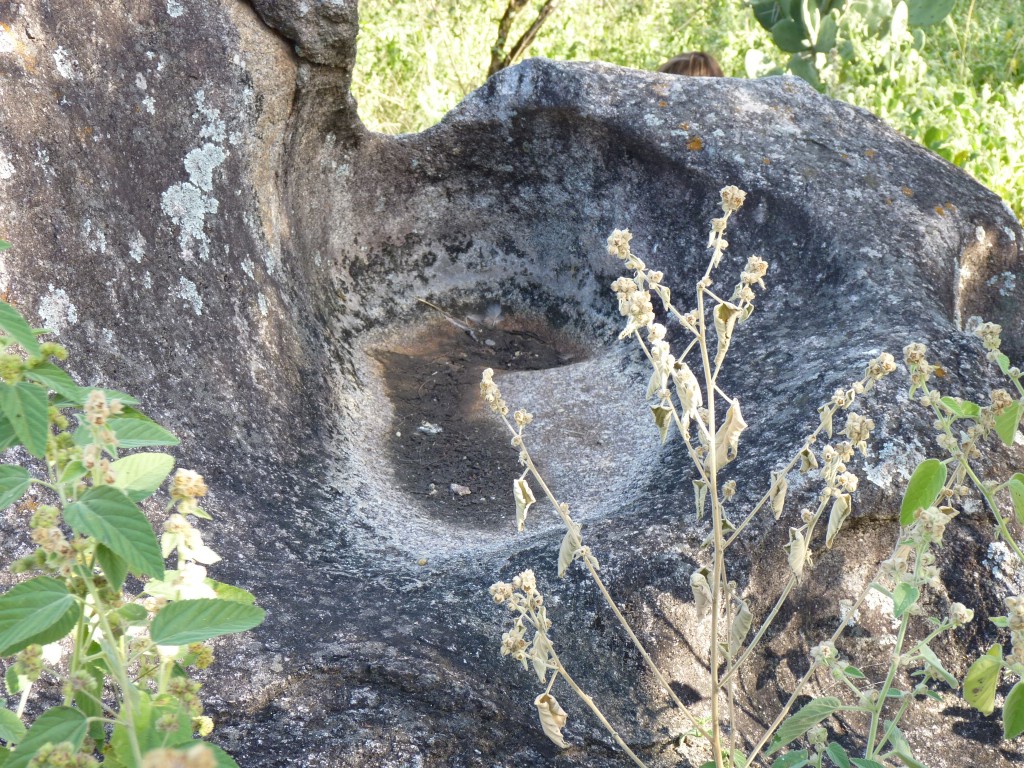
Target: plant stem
{"type": "Point", "coordinates": [718, 572]}
{"type": "Point", "coordinates": [600, 715]}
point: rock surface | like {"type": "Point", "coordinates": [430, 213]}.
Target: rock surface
{"type": "Point", "coordinates": [199, 214]}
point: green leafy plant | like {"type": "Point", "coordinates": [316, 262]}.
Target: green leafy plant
{"type": "Point", "coordinates": [688, 403]}
{"type": "Point", "coordinates": [101, 615]}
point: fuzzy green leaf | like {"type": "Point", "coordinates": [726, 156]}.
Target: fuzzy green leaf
{"type": "Point", "coordinates": [26, 407]}
{"type": "Point", "coordinates": [72, 473]}
{"type": "Point", "coordinates": [1007, 423]}
{"type": "Point", "coordinates": [1013, 712]}
{"type": "Point", "coordinates": [231, 593]}
{"type": "Point", "coordinates": [40, 610]}
{"type": "Point", "coordinates": [981, 680]}
{"type": "Point", "coordinates": [14, 481]}
{"type": "Point", "coordinates": [903, 598]}
{"type": "Point", "coordinates": [137, 433]}
{"type": "Point", "coordinates": [141, 474]}
{"type": "Point", "coordinates": [14, 325]}
{"type": "Point", "coordinates": [862, 762]}
{"type": "Point", "coordinates": [112, 518]}
{"type": "Point", "coordinates": [797, 724]}
{"type": "Point", "coordinates": [663, 418]}
{"type": "Point", "coordinates": [8, 436]}
{"type": "Point", "coordinates": [962, 409]}
{"type": "Point", "coordinates": [52, 727]}
{"type": "Point", "coordinates": [797, 759]}
{"type": "Point", "coordinates": [929, 656]}
{"type": "Point", "coordinates": [224, 760]}
{"type": "Point", "coordinates": [923, 489]}
{"type": "Point", "coordinates": [838, 755]}
{"type": "Point", "coordinates": [11, 728]}
{"type": "Point", "coordinates": [193, 621]}
{"type": "Point", "coordinates": [4, 245]}
{"type": "Point", "coordinates": [56, 379]}
{"type": "Point", "coordinates": [1016, 488]}
{"type": "Point", "coordinates": [1003, 362]}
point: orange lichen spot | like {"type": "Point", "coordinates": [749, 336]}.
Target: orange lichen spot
{"type": "Point", "coordinates": [844, 156]}
{"type": "Point", "coordinates": [766, 160]}
{"type": "Point", "coordinates": [907, 191]}
{"type": "Point", "coordinates": [870, 153]}
{"type": "Point", "coordinates": [940, 210]}
{"type": "Point", "coordinates": [695, 144]}
{"type": "Point", "coordinates": [950, 207]}
{"type": "Point", "coordinates": [939, 371]}
{"type": "Point", "coordinates": [685, 126]}
{"type": "Point", "coordinates": [662, 103]}
{"type": "Point", "coordinates": [888, 201]}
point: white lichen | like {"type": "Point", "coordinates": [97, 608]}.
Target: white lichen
{"type": "Point", "coordinates": [187, 290]}
{"type": "Point", "coordinates": [56, 310]}
{"type": "Point", "coordinates": [6, 169]}
{"type": "Point", "coordinates": [64, 63]}
{"type": "Point", "coordinates": [137, 247]}
{"type": "Point", "coordinates": [201, 163]}
{"type": "Point", "coordinates": [175, 8]}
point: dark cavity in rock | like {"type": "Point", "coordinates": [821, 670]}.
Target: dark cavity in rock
{"type": "Point", "coordinates": [443, 441]}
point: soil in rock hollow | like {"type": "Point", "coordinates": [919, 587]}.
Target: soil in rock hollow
{"type": "Point", "coordinates": [446, 446]}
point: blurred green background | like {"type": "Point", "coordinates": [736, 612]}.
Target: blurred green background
{"type": "Point", "coordinates": [955, 85]}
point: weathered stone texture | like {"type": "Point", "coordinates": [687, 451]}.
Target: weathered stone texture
{"type": "Point", "coordinates": [199, 213]}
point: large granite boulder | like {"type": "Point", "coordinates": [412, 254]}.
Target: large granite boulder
{"type": "Point", "coordinates": [200, 215]}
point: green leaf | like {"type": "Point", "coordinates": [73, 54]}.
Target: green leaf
{"type": "Point", "coordinates": [224, 760]}
{"type": "Point", "coordinates": [797, 759]}
{"type": "Point", "coordinates": [1004, 362]}
{"type": "Point", "coordinates": [981, 680]}
{"type": "Point", "coordinates": [852, 671]}
{"type": "Point", "coordinates": [901, 747]}
{"type": "Point", "coordinates": [131, 613]}
{"type": "Point", "coordinates": [4, 245]}
{"type": "Point", "coordinates": [14, 481]}
{"type": "Point", "coordinates": [790, 36]}
{"type": "Point", "coordinates": [231, 593]}
{"type": "Point", "coordinates": [862, 762]}
{"type": "Point", "coordinates": [26, 407]}
{"type": "Point", "coordinates": [1013, 712]}
{"type": "Point", "coordinates": [962, 409]}
{"type": "Point", "coordinates": [800, 722]}
{"type": "Point", "coordinates": [929, 655]}
{"type": "Point", "coordinates": [115, 568]}
{"type": "Point", "coordinates": [141, 474]}
{"type": "Point", "coordinates": [147, 714]}
{"type": "Point", "coordinates": [838, 755]}
{"type": "Point", "coordinates": [137, 433]}
{"type": "Point", "coordinates": [193, 621]}
{"type": "Point", "coordinates": [903, 598]}
{"type": "Point", "coordinates": [73, 472]}
{"type": "Point", "coordinates": [923, 489]}
{"type": "Point", "coordinates": [57, 379]}
{"type": "Point", "coordinates": [8, 436]}
{"type": "Point", "coordinates": [13, 681]}
{"type": "Point", "coordinates": [924, 13]}
{"type": "Point", "coordinates": [14, 325]}
{"type": "Point", "coordinates": [1000, 621]}
{"type": "Point", "coordinates": [1016, 487]}
{"type": "Point", "coordinates": [52, 727]}
{"type": "Point", "coordinates": [1007, 422]}
{"type": "Point", "coordinates": [40, 610]}
{"type": "Point", "coordinates": [11, 728]}
{"type": "Point", "coordinates": [112, 518]}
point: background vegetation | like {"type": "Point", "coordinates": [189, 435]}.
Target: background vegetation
{"type": "Point", "coordinates": [958, 90]}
